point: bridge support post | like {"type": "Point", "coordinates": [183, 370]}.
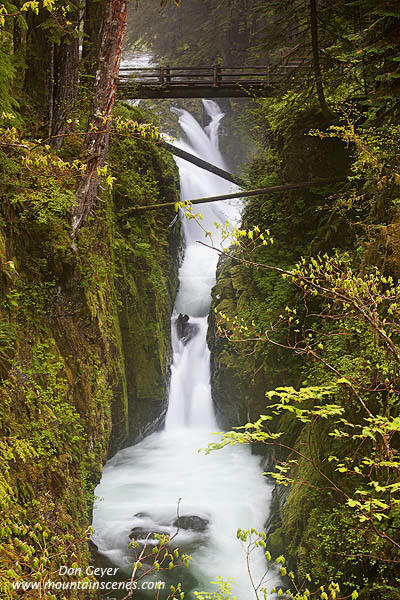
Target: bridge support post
{"type": "Point", "coordinates": [216, 75]}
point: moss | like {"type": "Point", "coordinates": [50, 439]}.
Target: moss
{"type": "Point", "coordinates": [84, 348]}
{"type": "Point", "coordinates": [314, 534]}
{"type": "Point", "coordinates": [277, 543]}
{"type": "Point", "coordinates": [146, 260]}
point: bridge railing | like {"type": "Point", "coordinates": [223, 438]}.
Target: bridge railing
{"type": "Point", "coordinates": [216, 76]}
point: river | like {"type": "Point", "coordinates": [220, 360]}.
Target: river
{"type": "Point", "coordinates": [141, 485]}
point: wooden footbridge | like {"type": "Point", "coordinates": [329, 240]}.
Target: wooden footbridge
{"type": "Point", "coordinates": [200, 82]}
{"type": "Point", "coordinates": [210, 82]}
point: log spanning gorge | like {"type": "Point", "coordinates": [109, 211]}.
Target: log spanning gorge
{"type": "Point", "coordinates": [142, 485]}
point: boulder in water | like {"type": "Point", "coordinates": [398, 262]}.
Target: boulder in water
{"type": "Point", "coordinates": [185, 330]}
{"type": "Point", "coordinates": [193, 522]}
{"type": "Point", "coordinates": [141, 533]}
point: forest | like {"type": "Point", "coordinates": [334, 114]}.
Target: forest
{"type": "Point", "coordinates": [129, 337]}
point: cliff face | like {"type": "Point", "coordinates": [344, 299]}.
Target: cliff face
{"type": "Point", "coordinates": [146, 252]}
{"type": "Point", "coordinates": [308, 524]}
{"type": "Point", "coordinates": [84, 346]}
{"type": "Point", "coordinates": [297, 223]}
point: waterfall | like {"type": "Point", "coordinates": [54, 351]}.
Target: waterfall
{"type": "Point", "coordinates": [141, 485]}
{"type": "Point", "coordinates": [190, 402]}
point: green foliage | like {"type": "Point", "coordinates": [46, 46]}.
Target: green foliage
{"type": "Point", "coordinates": [331, 420]}
{"type": "Point", "coordinates": [375, 179]}
{"type": "Point", "coordinates": [253, 542]}
{"type": "Point", "coordinates": [42, 436]}
{"type": "Point", "coordinates": [7, 74]}
{"type": "Point", "coordinates": [360, 308]}
{"type": "Point", "coordinates": [371, 52]}
{"type": "Point", "coordinates": [62, 363]}
{"type": "Point", "coordinates": [151, 558]}
{"type": "Point", "coordinates": [224, 591]}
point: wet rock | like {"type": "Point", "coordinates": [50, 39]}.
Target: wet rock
{"type": "Point", "coordinates": [141, 515]}
{"type": "Point", "coordinates": [193, 522]}
{"type": "Point", "coordinates": [141, 533]}
{"type": "Point", "coordinates": [185, 330]}
{"type": "Point", "coordinates": [93, 548]}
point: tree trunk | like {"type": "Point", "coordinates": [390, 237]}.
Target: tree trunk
{"type": "Point", "coordinates": [244, 194]}
{"type": "Point", "coordinates": [66, 59]}
{"type": "Point", "coordinates": [94, 12]}
{"type": "Point", "coordinates": [203, 164]}
{"type": "Point", "coordinates": [96, 142]}
{"type": "Point", "coordinates": [316, 61]}
{"type": "Point", "coordinates": [17, 36]}
{"type": "Point", "coordinates": [51, 91]}
{"type": "Point", "coordinates": [38, 75]}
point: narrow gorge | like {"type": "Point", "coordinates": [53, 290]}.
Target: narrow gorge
{"type": "Point", "coordinates": [199, 401]}
{"type": "Point", "coordinates": [163, 484]}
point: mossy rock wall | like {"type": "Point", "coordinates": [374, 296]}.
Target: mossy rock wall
{"type": "Point", "coordinates": [84, 347]}
{"type": "Point", "coordinates": [305, 524]}
{"type": "Point", "coordinates": [147, 249]}
{"type": "Point", "coordinates": [297, 223]}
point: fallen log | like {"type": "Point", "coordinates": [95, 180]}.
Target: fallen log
{"type": "Point", "coordinates": [244, 194]}
{"type": "Point", "coordinates": [203, 164]}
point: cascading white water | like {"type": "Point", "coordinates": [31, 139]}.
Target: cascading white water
{"type": "Point", "coordinates": [141, 485]}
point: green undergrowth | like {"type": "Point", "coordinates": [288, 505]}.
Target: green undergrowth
{"type": "Point", "coordinates": [311, 528]}
{"type": "Point", "coordinates": [84, 343]}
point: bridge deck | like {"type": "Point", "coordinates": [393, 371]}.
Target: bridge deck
{"type": "Point", "coordinates": [199, 82]}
